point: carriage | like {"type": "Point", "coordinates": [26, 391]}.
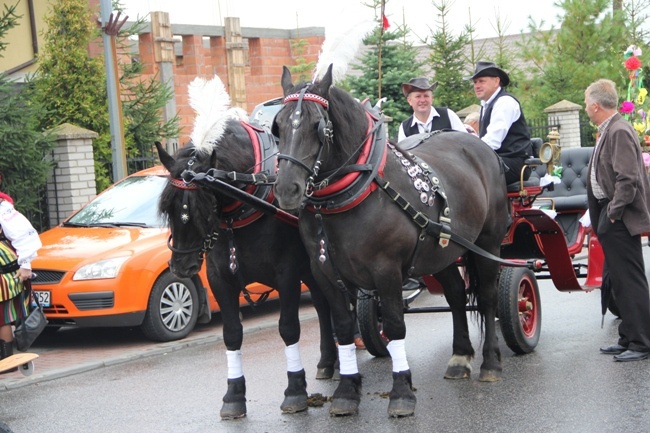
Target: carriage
{"type": "Point", "coordinates": [547, 235]}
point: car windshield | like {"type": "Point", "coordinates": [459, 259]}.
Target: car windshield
{"type": "Point", "coordinates": [130, 203]}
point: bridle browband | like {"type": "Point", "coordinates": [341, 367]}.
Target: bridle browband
{"type": "Point", "coordinates": [325, 132]}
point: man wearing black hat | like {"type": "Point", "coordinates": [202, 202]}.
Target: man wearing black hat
{"type": "Point", "coordinates": [425, 118]}
{"type": "Point", "coordinates": [503, 125]}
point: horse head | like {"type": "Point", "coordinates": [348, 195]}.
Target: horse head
{"type": "Point", "coordinates": [190, 210]}
{"type": "Point", "coordinates": [317, 128]}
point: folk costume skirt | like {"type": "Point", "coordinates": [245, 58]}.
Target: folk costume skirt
{"type": "Point", "coordinates": [12, 305]}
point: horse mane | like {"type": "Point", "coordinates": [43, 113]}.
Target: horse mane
{"type": "Point", "coordinates": [348, 120]}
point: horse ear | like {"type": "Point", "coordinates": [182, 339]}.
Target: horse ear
{"type": "Point", "coordinates": [213, 158]}
{"type": "Point", "coordinates": [166, 159]}
{"type": "Point", "coordinates": [287, 85]}
{"type": "Point", "coordinates": [326, 82]}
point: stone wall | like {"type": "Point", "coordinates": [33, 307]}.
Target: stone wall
{"type": "Point", "coordinates": [71, 184]}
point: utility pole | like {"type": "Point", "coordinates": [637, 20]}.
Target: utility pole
{"type": "Point", "coordinates": [110, 28]}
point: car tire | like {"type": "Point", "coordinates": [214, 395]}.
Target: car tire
{"type": "Point", "coordinates": [173, 309]}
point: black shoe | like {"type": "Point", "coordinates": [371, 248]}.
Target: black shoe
{"type": "Point", "coordinates": [614, 349]}
{"type": "Point", "coordinates": [631, 355]}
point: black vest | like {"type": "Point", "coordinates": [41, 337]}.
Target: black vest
{"type": "Point", "coordinates": [438, 123]}
{"type": "Point", "coordinates": [517, 141]}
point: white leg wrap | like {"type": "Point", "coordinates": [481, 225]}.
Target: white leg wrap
{"type": "Point", "coordinates": [348, 359]}
{"type": "Point", "coordinates": [293, 357]}
{"type": "Point", "coordinates": [234, 364]}
{"type": "Point", "coordinates": [398, 354]}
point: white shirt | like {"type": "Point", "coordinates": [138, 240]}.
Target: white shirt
{"type": "Point", "coordinates": [20, 232]}
{"type": "Point", "coordinates": [423, 127]}
{"type": "Point", "coordinates": [505, 112]}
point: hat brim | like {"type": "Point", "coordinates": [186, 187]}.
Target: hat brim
{"type": "Point", "coordinates": [408, 88]}
{"type": "Point", "coordinates": [492, 72]}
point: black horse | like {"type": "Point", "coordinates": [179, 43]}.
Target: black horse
{"type": "Point", "coordinates": [372, 214]}
{"type": "Point", "coordinates": [242, 246]}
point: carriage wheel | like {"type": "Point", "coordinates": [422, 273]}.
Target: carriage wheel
{"type": "Point", "coordinates": [519, 309]}
{"type": "Point", "coordinates": [370, 325]}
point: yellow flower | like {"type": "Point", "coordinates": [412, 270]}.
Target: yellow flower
{"type": "Point", "coordinates": [640, 127]}
{"type": "Point", "coordinates": [640, 99]}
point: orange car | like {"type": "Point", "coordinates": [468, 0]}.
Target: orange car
{"type": "Point", "coordinates": [106, 265]}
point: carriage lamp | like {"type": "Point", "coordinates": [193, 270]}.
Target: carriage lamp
{"type": "Point", "coordinates": [550, 150]}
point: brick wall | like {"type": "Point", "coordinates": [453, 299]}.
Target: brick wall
{"type": "Point", "coordinates": [201, 55]}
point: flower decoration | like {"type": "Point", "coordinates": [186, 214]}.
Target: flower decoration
{"type": "Point", "coordinates": [627, 107]}
{"type": "Point", "coordinates": [634, 107]}
{"type": "Point", "coordinates": [633, 63]}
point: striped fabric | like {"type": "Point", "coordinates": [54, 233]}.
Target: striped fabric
{"type": "Point", "coordinates": [9, 286]}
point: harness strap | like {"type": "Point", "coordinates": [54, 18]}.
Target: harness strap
{"type": "Point", "coordinates": [234, 268]}
{"type": "Point", "coordinates": [440, 229]}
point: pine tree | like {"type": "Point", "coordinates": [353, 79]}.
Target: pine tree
{"type": "Point", "coordinates": [23, 164]}
{"type": "Point", "coordinates": [447, 60]}
{"type": "Point", "coordinates": [399, 64]}
{"type": "Point", "coordinates": [587, 46]}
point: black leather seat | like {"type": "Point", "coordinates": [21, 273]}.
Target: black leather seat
{"type": "Point", "coordinates": [571, 192]}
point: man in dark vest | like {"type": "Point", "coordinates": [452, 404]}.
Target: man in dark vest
{"type": "Point", "coordinates": [426, 118]}
{"type": "Point", "coordinates": [503, 125]}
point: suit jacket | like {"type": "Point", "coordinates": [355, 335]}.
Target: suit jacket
{"type": "Point", "coordinates": [622, 176]}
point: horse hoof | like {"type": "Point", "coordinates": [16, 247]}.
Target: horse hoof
{"type": "Point", "coordinates": [294, 404]}
{"type": "Point", "coordinates": [325, 373]}
{"type": "Point", "coordinates": [489, 376]}
{"type": "Point", "coordinates": [233, 410]}
{"type": "Point", "coordinates": [459, 367]}
{"type": "Point", "coordinates": [399, 408]}
{"type": "Point", "coordinates": [402, 399]}
{"type": "Point", "coordinates": [337, 375]}
{"type": "Point", "coordinates": [344, 407]}
{"type": "Point", "coordinates": [458, 372]}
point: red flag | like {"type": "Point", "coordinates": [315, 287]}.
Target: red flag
{"type": "Point", "coordinates": [386, 24]}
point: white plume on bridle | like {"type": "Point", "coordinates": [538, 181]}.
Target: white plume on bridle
{"type": "Point", "coordinates": [340, 47]}
{"type": "Point", "coordinates": [211, 103]}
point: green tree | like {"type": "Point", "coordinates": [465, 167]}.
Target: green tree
{"type": "Point", "coordinates": [72, 86]}
{"type": "Point", "coordinates": [587, 46]}
{"type": "Point", "coordinates": [302, 69]}
{"type": "Point", "coordinates": [399, 64]}
{"type": "Point", "coordinates": [23, 164]}
{"type": "Point", "coordinates": [447, 60]}
{"type": "Point", "coordinates": [69, 83]}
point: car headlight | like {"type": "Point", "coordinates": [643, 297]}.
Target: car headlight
{"type": "Point", "coordinates": [99, 270]}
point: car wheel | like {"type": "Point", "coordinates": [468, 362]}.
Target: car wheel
{"type": "Point", "coordinates": [173, 309]}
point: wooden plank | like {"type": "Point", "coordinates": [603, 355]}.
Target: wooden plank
{"type": "Point", "coordinates": [236, 62]}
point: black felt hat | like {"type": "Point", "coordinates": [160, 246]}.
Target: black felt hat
{"type": "Point", "coordinates": [490, 69]}
{"type": "Point", "coordinates": [419, 83]}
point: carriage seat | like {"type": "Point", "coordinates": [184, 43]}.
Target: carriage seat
{"type": "Point", "coordinates": [571, 192]}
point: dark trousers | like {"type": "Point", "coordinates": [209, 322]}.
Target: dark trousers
{"type": "Point", "coordinates": [513, 168]}
{"type": "Point", "coordinates": [624, 262]}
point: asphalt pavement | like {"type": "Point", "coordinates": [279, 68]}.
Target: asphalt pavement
{"type": "Point", "coordinates": [72, 351]}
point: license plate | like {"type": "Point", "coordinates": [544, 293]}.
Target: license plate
{"type": "Point", "coordinates": [44, 298]}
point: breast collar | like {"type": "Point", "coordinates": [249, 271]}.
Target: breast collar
{"type": "Point", "coordinates": [238, 214]}
{"type": "Point", "coordinates": [357, 181]}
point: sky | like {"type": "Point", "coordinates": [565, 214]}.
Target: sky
{"type": "Point", "coordinates": [419, 15]}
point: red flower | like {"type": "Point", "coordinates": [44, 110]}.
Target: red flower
{"type": "Point", "coordinates": [633, 63]}
{"type": "Point", "coordinates": [627, 107]}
